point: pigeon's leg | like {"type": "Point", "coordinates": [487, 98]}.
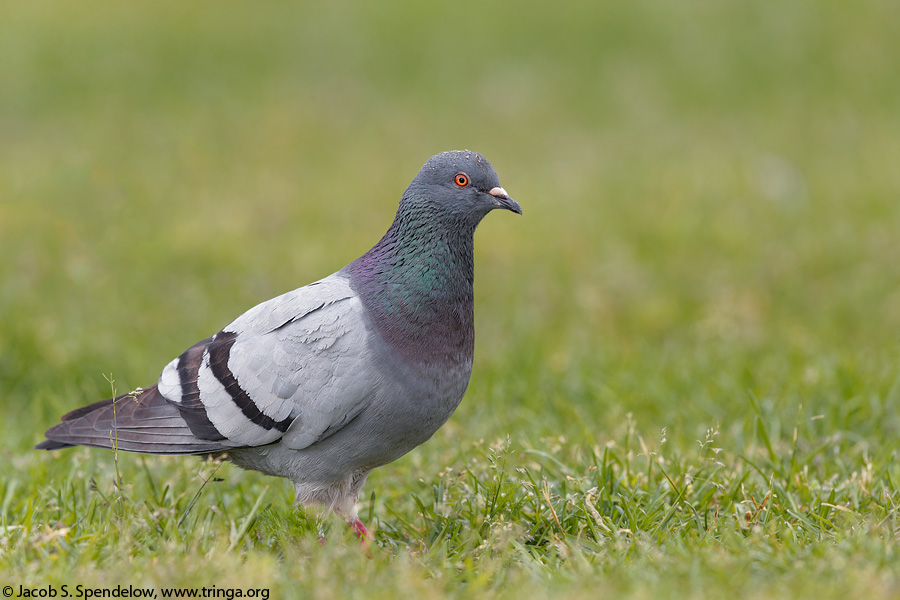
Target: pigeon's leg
{"type": "Point", "coordinates": [346, 507]}
{"type": "Point", "coordinates": [360, 530]}
{"type": "Point", "coordinates": [341, 499]}
{"type": "Point", "coordinates": [366, 539]}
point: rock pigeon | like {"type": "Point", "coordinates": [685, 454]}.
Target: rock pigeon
{"type": "Point", "coordinates": [325, 383]}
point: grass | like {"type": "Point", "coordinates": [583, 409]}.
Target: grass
{"type": "Point", "coordinates": [687, 368]}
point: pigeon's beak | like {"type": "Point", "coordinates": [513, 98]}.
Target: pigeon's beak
{"type": "Point", "coordinates": [502, 200]}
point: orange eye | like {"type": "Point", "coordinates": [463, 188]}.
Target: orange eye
{"type": "Point", "coordinates": [462, 180]}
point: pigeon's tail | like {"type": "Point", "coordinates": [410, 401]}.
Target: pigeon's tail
{"type": "Point", "coordinates": [142, 421]}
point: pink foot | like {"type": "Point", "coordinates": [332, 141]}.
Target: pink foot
{"type": "Point", "coordinates": [365, 538]}
{"type": "Point", "coordinates": [360, 530]}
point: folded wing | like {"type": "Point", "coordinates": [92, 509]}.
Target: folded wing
{"type": "Point", "coordinates": [297, 367]}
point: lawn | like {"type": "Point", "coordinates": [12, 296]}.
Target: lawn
{"type": "Point", "coordinates": [687, 372]}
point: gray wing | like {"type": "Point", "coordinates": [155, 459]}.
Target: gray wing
{"type": "Point", "coordinates": [297, 368]}
{"type": "Point", "coordinates": [142, 421]}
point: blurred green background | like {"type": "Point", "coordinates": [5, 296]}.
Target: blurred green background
{"type": "Point", "coordinates": [710, 193]}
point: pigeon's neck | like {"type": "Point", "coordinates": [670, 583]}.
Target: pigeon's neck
{"type": "Point", "coordinates": [416, 284]}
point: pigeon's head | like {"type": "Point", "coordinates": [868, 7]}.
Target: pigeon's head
{"type": "Point", "coordinates": [461, 184]}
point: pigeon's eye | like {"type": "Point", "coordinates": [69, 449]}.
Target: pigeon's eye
{"type": "Point", "coordinates": [462, 180]}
